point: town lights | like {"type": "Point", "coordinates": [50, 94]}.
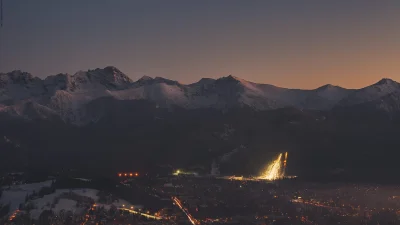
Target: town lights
{"type": "Point", "coordinates": [177, 172]}
{"type": "Point", "coordinates": [130, 174]}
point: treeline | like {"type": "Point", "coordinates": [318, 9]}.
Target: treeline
{"type": "Point", "coordinates": [102, 184]}
{"type": "Point", "coordinates": [4, 210]}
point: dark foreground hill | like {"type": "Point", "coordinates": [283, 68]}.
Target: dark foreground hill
{"type": "Point", "coordinates": [138, 135]}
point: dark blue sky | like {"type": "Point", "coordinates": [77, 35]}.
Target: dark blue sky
{"type": "Point", "coordinates": [295, 43]}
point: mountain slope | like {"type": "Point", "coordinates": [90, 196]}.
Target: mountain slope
{"type": "Point", "coordinates": [385, 107]}
{"type": "Point", "coordinates": [17, 85]}
{"type": "Point", "coordinates": [67, 95]}
{"type": "Point", "coordinates": [370, 93]}
{"type": "Point", "coordinates": [136, 135]}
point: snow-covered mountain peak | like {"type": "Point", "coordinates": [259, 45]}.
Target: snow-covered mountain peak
{"type": "Point", "coordinates": [332, 92]}
{"type": "Point", "coordinates": [328, 86]}
{"type": "Point", "coordinates": [19, 73]}
{"type": "Point", "coordinates": [104, 79]}
{"type": "Point", "coordinates": [372, 92]}
{"type": "Point", "coordinates": [229, 79]}
{"type": "Point", "coordinates": [18, 85]}
{"type": "Point", "coordinates": [385, 85]}
{"type": "Point", "coordinates": [230, 76]}
{"type": "Point", "coordinates": [386, 81]}
{"type": "Point", "coordinates": [204, 81]}
{"type": "Point", "coordinates": [111, 69]}
{"type": "Point", "coordinates": [110, 76]}
{"type": "Point", "coordinates": [16, 77]}
{"type": "Point", "coordinates": [67, 95]}
{"type": "Point", "coordinates": [145, 78]}
{"type": "Point", "coordinates": [166, 81]}
{"type": "Point", "coordinates": [247, 85]}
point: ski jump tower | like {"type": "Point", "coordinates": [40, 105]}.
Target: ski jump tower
{"type": "Point", "coordinates": [215, 169]}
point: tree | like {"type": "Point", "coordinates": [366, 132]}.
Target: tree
{"type": "Point", "coordinates": [46, 191]}
{"type": "Point", "coordinates": [102, 197]}
{"type": "Point", "coordinates": [5, 210]}
{"type": "Point", "coordinates": [45, 216]}
{"type": "Point", "coordinates": [53, 185]}
{"type": "Point", "coordinates": [29, 206]}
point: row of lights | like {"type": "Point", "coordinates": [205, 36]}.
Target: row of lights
{"type": "Point", "coordinates": [140, 210]}
{"type": "Point", "coordinates": [128, 174]}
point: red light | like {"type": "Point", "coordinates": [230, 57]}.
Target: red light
{"type": "Point", "coordinates": [136, 174]}
{"type": "Point", "coordinates": [130, 174]}
{"type": "Point", "coordinates": [120, 174]}
{"type": "Point", "coordinates": [126, 174]}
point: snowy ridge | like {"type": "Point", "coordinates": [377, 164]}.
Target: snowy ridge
{"type": "Point", "coordinates": [372, 92]}
{"type": "Point", "coordinates": [67, 95]}
{"type": "Point", "coordinates": [19, 85]}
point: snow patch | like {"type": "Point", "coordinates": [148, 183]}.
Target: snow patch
{"type": "Point", "coordinates": [16, 194]}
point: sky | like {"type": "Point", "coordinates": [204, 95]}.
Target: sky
{"type": "Point", "coordinates": [294, 44]}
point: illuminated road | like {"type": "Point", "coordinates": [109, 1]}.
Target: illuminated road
{"type": "Point", "coordinates": [190, 217]}
{"type": "Point", "coordinates": [13, 215]}
{"type": "Point", "coordinates": [142, 214]}
{"type": "Point", "coordinates": [314, 204]}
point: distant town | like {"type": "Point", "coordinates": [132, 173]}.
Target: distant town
{"type": "Point", "coordinates": [184, 197]}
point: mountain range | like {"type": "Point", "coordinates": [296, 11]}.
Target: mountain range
{"type": "Point", "coordinates": [71, 98]}
{"type": "Point", "coordinates": [100, 120]}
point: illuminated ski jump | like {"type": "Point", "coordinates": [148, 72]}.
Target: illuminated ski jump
{"type": "Point", "coordinates": [276, 169]}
